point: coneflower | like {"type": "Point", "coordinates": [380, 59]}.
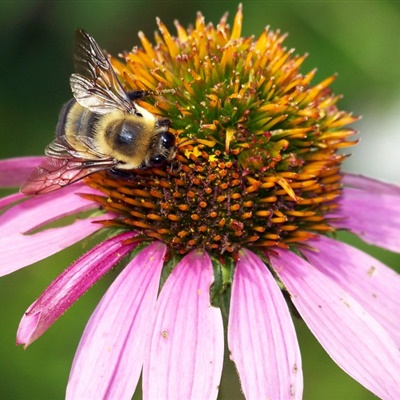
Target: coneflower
{"type": "Point", "coordinates": [242, 220]}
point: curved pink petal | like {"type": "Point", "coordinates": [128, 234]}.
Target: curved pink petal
{"type": "Point", "coordinates": [351, 336]}
{"type": "Point", "coordinates": [375, 286]}
{"type": "Point", "coordinates": [12, 198]}
{"type": "Point", "coordinates": [369, 184]}
{"type": "Point", "coordinates": [70, 285]}
{"type": "Point", "coordinates": [187, 345]}
{"type": "Point", "coordinates": [20, 249]}
{"type": "Point", "coordinates": [371, 210]}
{"type": "Point", "coordinates": [110, 355]}
{"type": "Point", "coordinates": [261, 335]}
{"type": "Point", "coordinates": [14, 171]}
{"type": "Point", "coordinates": [37, 211]}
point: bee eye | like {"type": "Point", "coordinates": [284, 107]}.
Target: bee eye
{"type": "Point", "coordinates": [157, 161]}
{"type": "Point", "coordinates": [167, 139]}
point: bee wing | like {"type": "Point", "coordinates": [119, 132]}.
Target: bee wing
{"type": "Point", "coordinates": [83, 148]}
{"type": "Point", "coordinates": [95, 85]}
{"type": "Point", "coordinates": [54, 173]}
{"type": "Point", "coordinates": [64, 166]}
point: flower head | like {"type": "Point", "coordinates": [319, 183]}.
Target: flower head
{"type": "Point", "coordinates": [245, 212]}
{"type": "Point", "coordinates": [257, 162]}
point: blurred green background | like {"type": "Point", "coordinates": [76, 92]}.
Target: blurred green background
{"type": "Point", "coordinates": [358, 39]}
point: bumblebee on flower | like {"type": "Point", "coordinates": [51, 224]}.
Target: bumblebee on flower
{"type": "Point", "coordinates": [243, 210]}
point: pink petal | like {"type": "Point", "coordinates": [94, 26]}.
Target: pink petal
{"type": "Point", "coordinates": [375, 286]}
{"type": "Point", "coordinates": [369, 184]}
{"type": "Point", "coordinates": [20, 249]}
{"type": "Point", "coordinates": [187, 345]}
{"type": "Point", "coordinates": [14, 171]}
{"type": "Point", "coordinates": [12, 198]}
{"type": "Point", "coordinates": [70, 285]}
{"type": "Point", "coordinates": [261, 335]}
{"type": "Point", "coordinates": [371, 211]}
{"type": "Point", "coordinates": [38, 211]}
{"type": "Point", "coordinates": [351, 336]}
{"type": "Point", "coordinates": [110, 355]}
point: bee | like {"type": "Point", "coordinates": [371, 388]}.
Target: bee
{"type": "Point", "coordinates": [100, 128]}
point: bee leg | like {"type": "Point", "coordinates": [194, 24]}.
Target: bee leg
{"type": "Point", "coordinates": [138, 94]}
{"type": "Point", "coordinates": [175, 167]}
{"type": "Point", "coordinates": [118, 173]}
{"type": "Point", "coordinates": [164, 122]}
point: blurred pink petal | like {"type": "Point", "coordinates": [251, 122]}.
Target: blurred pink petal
{"type": "Point", "coordinates": [369, 184]}
{"type": "Point", "coordinates": [261, 335]}
{"type": "Point", "coordinates": [110, 355]}
{"type": "Point", "coordinates": [185, 357]}
{"type": "Point", "coordinates": [21, 248]}
{"type": "Point", "coordinates": [351, 336]}
{"type": "Point", "coordinates": [374, 285]}
{"type": "Point", "coordinates": [70, 285]}
{"type": "Point", "coordinates": [14, 171]}
{"type": "Point", "coordinates": [371, 211]}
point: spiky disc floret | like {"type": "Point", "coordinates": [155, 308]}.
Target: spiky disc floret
{"type": "Point", "coordinates": [257, 162]}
